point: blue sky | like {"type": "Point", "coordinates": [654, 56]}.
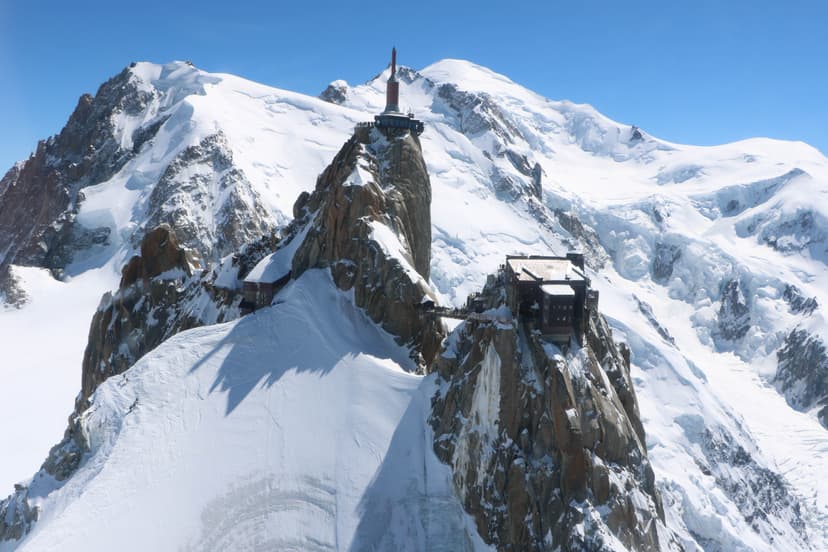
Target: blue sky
{"type": "Point", "coordinates": [701, 72]}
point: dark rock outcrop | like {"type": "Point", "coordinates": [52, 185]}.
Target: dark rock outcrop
{"type": "Point", "coordinates": [477, 112]}
{"type": "Point", "coordinates": [373, 198]}
{"type": "Point", "coordinates": [802, 370]}
{"type": "Point", "coordinates": [665, 258]}
{"type": "Point", "coordinates": [16, 514]}
{"type": "Point", "coordinates": [542, 444]}
{"type": "Point", "coordinates": [208, 200]}
{"type": "Point", "coordinates": [761, 494]}
{"type": "Point", "coordinates": [40, 197]}
{"type": "Point", "coordinates": [11, 292]}
{"type": "Point", "coordinates": [586, 239]}
{"type": "Point", "coordinates": [796, 232]}
{"type": "Point", "coordinates": [798, 303]}
{"type": "Point", "coordinates": [158, 297]}
{"type": "Point", "coordinates": [734, 313]}
{"type": "Point", "coordinates": [335, 93]}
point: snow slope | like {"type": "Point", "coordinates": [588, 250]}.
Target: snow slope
{"type": "Point", "coordinates": [752, 212]}
{"type": "Point", "coordinates": [241, 436]}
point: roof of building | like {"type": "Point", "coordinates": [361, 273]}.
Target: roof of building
{"type": "Point", "coordinates": [545, 269]}
{"type": "Point", "coordinates": [558, 290]}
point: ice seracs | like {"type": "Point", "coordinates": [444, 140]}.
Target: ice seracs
{"type": "Point", "coordinates": [664, 228]}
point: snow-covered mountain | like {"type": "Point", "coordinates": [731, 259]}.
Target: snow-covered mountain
{"type": "Point", "coordinates": [710, 261]}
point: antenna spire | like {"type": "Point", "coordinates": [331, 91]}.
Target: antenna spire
{"type": "Point", "coordinates": [392, 87]}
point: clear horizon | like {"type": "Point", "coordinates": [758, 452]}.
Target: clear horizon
{"type": "Point", "coordinates": [703, 74]}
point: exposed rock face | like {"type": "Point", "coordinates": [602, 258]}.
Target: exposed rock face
{"type": "Point", "coordinates": [798, 302]}
{"type": "Point", "coordinates": [547, 449]}
{"type": "Point", "coordinates": [369, 221]}
{"type": "Point", "coordinates": [802, 371]}
{"type": "Point", "coordinates": [11, 292]}
{"type": "Point", "coordinates": [16, 515]}
{"type": "Point", "coordinates": [761, 495]}
{"type": "Point", "coordinates": [158, 297]}
{"type": "Point", "coordinates": [335, 93]}
{"type": "Point", "coordinates": [40, 197]}
{"type": "Point", "coordinates": [477, 113]}
{"type": "Point", "coordinates": [797, 232]}
{"type": "Point", "coordinates": [586, 239]}
{"type": "Point", "coordinates": [734, 313]}
{"type": "Point", "coordinates": [510, 188]}
{"type": "Point", "coordinates": [666, 256]}
{"type": "Point", "coordinates": [210, 202]}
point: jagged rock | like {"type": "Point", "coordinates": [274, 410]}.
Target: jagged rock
{"type": "Point", "coordinates": [535, 172]}
{"type": "Point", "coordinates": [647, 311]}
{"type": "Point", "coordinates": [519, 162]}
{"type": "Point", "coordinates": [41, 195]}
{"type": "Point", "coordinates": [761, 495]}
{"type": "Point", "coordinates": [586, 238]}
{"type": "Point", "coordinates": [160, 252]}
{"type": "Point", "coordinates": [251, 253]}
{"type": "Point", "coordinates": [507, 187]}
{"type": "Point", "coordinates": [734, 313]}
{"type": "Point", "coordinates": [146, 133]}
{"type": "Point", "coordinates": [799, 303]}
{"type": "Point", "coordinates": [537, 177]}
{"type": "Point", "coordinates": [377, 178]}
{"type": "Point", "coordinates": [335, 93]}
{"type": "Point", "coordinates": [11, 292]}
{"type": "Point", "coordinates": [159, 296]}
{"type": "Point", "coordinates": [822, 416]}
{"type": "Point", "coordinates": [16, 514]}
{"type": "Point", "coordinates": [477, 113]}
{"type": "Point", "coordinates": [802, 370]}
{"type": "Point", "coordinates": [210, 202]}
{"type": "Point", "coordinates": [665, 257]}
{"type": "Point", "coordinates": [539, 442]}
{"type": "Point", "coordinates": [797, 232]}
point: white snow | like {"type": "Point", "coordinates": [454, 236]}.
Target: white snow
{"type": "Point", "coordinates": [720, 205]}
{"type": "Point", "coordinates": [294, 428]}
{"type": "Point", "coordinates": [277, 265]}
{"type": "Point", "coordinates": [42, 349]}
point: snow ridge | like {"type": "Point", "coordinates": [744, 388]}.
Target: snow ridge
{"type": "Point", "coordinates": [701, 244]}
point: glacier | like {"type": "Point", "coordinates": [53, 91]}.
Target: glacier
{"type": "Point", "coordinates": [749, 217]}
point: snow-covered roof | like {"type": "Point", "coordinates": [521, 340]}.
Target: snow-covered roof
{"type": "Point", "coordinates": [559, 290]}
{"type": "Point", "coordinates": [544, 269]}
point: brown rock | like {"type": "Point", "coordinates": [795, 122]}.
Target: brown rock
{"type": "Point", "coordinates": [558, 431]}
{"type": "Point", "coordinates": [340, 216]}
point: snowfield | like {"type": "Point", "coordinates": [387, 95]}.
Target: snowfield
{"type": "Point", "coordinates": [300, 426]}
{"type": "Point", "coordinates": [242, 437]}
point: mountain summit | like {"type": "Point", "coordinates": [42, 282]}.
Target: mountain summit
{"type": "Point", "coordinates": [341, 414]}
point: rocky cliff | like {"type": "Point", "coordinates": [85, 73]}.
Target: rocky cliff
{"type": "Point", "coordinates": [802, 372]}
{"type": "Point", "coordinates": [40, 195]}
{"type": "Point", "coordinates": [546, 445]}
{"type": "Point", "coordinates": [161, 293]}
{"type": "Point", "coordinates": [368, 221]}
{"type": "Point", "coordinates": [199, 189]}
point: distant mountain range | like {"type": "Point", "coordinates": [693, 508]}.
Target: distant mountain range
{"type": "Point", "coordinates": [333, 419]}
